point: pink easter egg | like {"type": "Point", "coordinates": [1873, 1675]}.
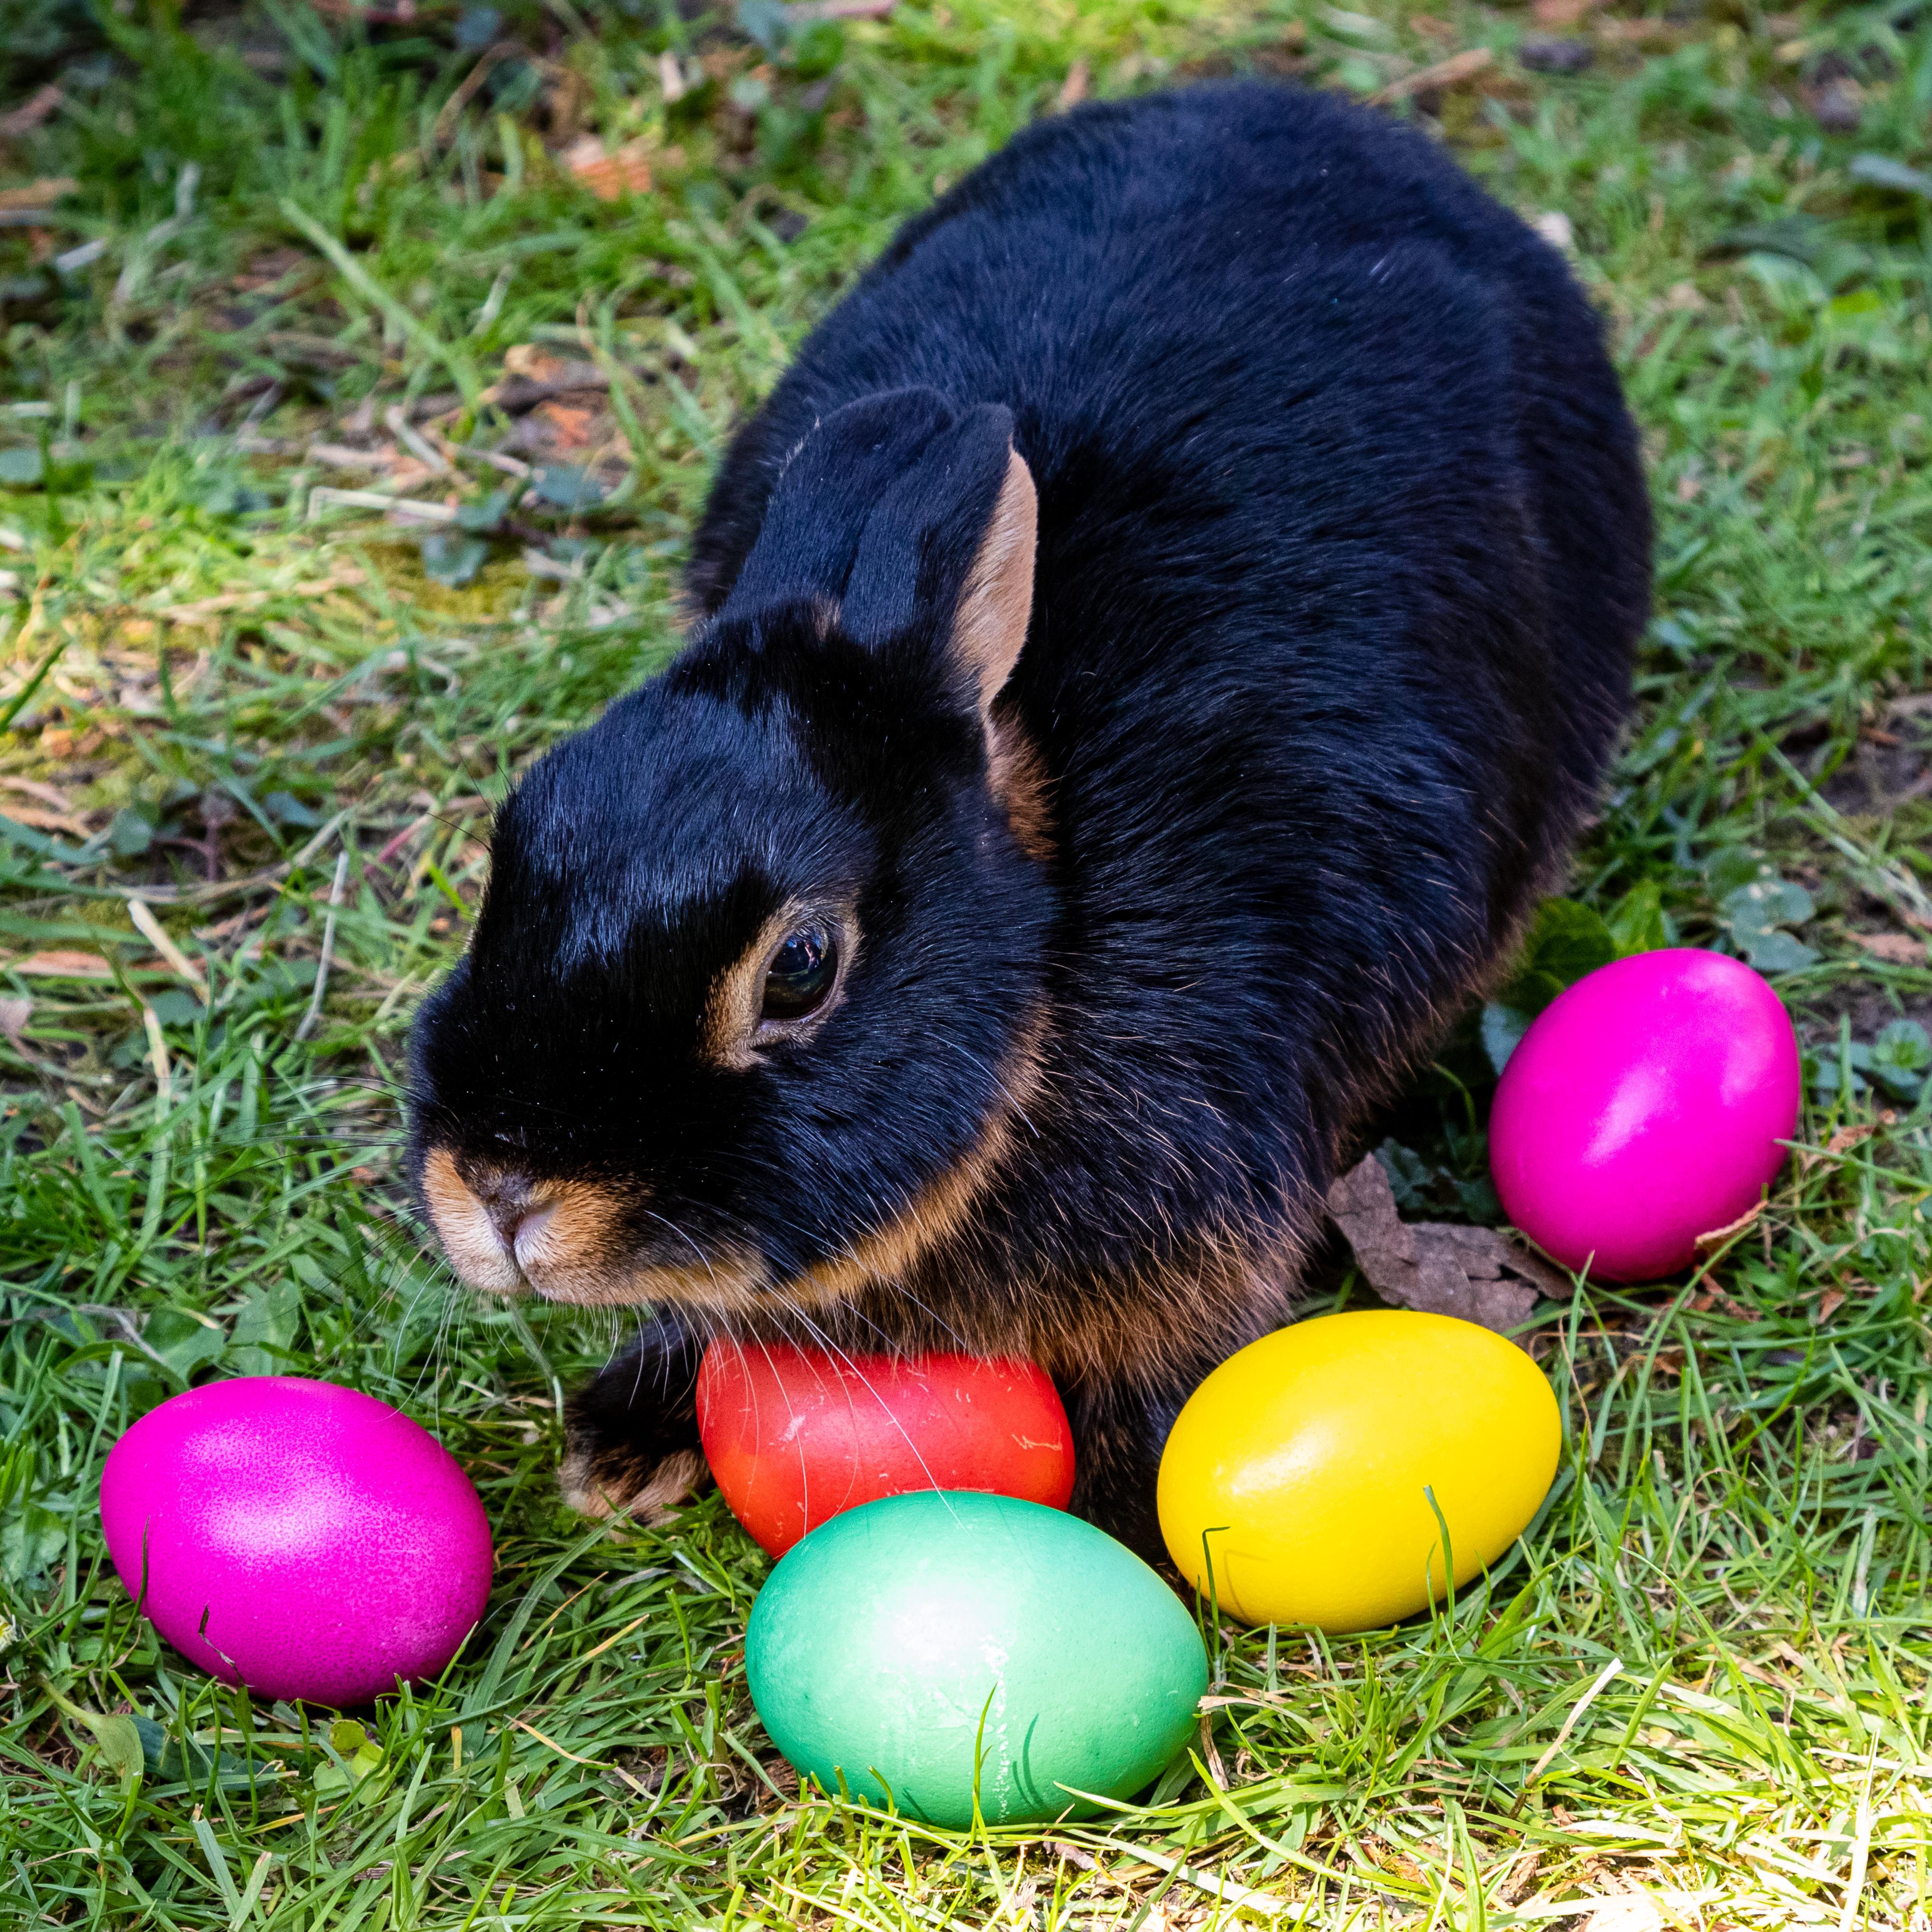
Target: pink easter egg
{"type": "Point", "coordinates": [1645, 1106]}
{"type": "Point", "coordinates": [305, 1540]}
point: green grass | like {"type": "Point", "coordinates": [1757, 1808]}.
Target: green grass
{"type": "Point", "coordinates": [214, 685]}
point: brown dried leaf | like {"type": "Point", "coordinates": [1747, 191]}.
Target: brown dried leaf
{"type": "Point", "coordinates": [61, 964]}
{"type": "Point", "coordinates": [1634, 1911]}
{"type": "Point", "coordinates": [609, 177]}
{"type": "Point", "coordinates": [47, 821]}
{"type": "Point", "coordinates": [570, 428]}
{"type": "Point", "coordinates": [1443, 75]}
{"type": "Point", "coordinates": [1713, 1238]}
{"type": "Point", "coordinates": [1895, 949]}
{"type": "Point", "coordinates": [1435, 1266]}
{"type": "Point", "coordinates": [31, 112]}
{"type": "Point", "coordinates": [43, 194]}
{"type": "Point", "coordinates": [47, 794]}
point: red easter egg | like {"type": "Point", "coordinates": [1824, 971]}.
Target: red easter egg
{"type": "Point", "coordinates": [795, 1436]}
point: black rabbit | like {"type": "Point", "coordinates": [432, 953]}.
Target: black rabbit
{"type": "Point", "coordinates": [1151, 652]}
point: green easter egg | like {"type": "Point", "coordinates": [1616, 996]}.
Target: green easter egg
{"type": "Point", "coordinates": [900, 1642]}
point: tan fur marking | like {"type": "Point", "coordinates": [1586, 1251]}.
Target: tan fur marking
{"type": "Point", "coordinates": [464, 1226]}
{"type": "Point", "coordinates": [934, 1215]}
{"type": "Point", "coordinates": [575, 1256]}
{"type": "Point", "coordinates": [570, 1248]}
{"type": "Point", "coordinates": [989, 627]}
{"type": "Point", "coordinates": [728, 1034]}
{"type": "Point", "coordinates": [734, 1282]}
{"type": "Point", "coordinates": [1018, 776]}
{"type": "Point", "coordinates": [571, 1238]}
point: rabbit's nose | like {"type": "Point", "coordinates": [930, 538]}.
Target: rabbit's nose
{"type": "Point", "coordinates": [508, 1200]}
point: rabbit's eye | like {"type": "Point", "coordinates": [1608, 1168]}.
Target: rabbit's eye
{"type": "Point", "coordinates": [800, 974]}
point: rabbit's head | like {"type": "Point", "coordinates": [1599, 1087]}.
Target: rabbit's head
{"type": "Point", "coordinates": [755, 1001]}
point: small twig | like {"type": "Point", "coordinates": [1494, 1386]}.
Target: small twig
{"type": "Point", "coordinates": [396, 313]}
{"type": "Point", "coordinates": [248, 600]}
{"type": "Point", "coordinates": [1450, 73]}
{"type": "Point", "coordinates": [1854, 1883]}
{"type": "Point", "coordinates": [1612, 1669]}
{"type": "Point", "coordinates": [466, 90]}
{"type": "Point", "coordinates": [263, 406]}
{"type": "Point", "coordinates": [158, 1053]}
{"type": "Point", "coordinates": [155, 933]}
{"type": "Point", "coordinates": [1228, 1891]}
{"type": "Point", "coordinates": [399, 428]}
{"type": "Point", "coordinates": [1892, 884]}
{"type": "Point", "coordinates": [328, 947]}
{"type": "Point", "coordinates": [804, 10]}
{"type": "Point", "coordinates": [415, 508]}
{"type": "Point", "coordinates": [320, 839]}
{"type": "Point", "coordinates": [510, 465]}
{"type": "Point", "coordinates": [31, 112]}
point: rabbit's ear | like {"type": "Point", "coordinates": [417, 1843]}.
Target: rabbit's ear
{"type": "Point", "coordinates": [955, 535]}
{"type": "Point", "coordinates": [989, 627]}
{"type": "Point", "coordinates": [831, 484]}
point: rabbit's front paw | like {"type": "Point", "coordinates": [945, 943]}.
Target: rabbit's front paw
{"type": "Point", "coordinates": [615, 1479]}
{"type": "Point", "coordinates": [631, 1437]}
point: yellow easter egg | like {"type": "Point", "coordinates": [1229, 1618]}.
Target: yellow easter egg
{"type": "Point", "coordinates": [1307, 1462]}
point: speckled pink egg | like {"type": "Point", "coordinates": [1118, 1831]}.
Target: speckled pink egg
{"type": "Point", "coordinates": [1644, 1107]}
{"type": "Point", "coordinates": [305, 1540]}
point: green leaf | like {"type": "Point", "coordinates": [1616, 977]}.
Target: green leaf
{"type": "Point", "coordinates": [1409, 1175]}
{"type": "Point", "coordinates": [1840, 1067]}
{"type": "Point", "coordinates": [162, 1754]}
{"type": "Point", "coordinates": [22, 468]}
{"type": "Point", "coordinates": [816, 50]}
{"type": "Point", "coordinates": [478, 517]}
{"type": "Point", "coordinates": [477, 27]}
{"type": "Point", "coordinates": [32, 1538]}
{"type": "Point", "coordinates": [130, 834]}
{"type": "Point", "coordinates": [1777, 901]}
{"type": "Point", "coordinates": [182, 1340]}
{"type": "Point", "coordinates": [1503, 1029]}
{"type": "Point", "coordinates": [568, 488]}
{"type": "Point", "coordinates": [453, 560]}
{"type": "Point", "coordinates": [1566, 940]}
{"type": "Point", "coordinates": [156, 1748]}
{"type": "Point", "coordinates": [1777, 953]}
{"type": "Point", "coordinates": [1899, 1057]}
{"type": "Point", "coordinates": [1731, 866]}
{"type": "Point", "coordinates": [1635, 923]}
{"type": "Point", "coordinates": [265, 1330]}
{"type": "Point", "coordinates": [1754, 904]}
{"type": "Point", "coordinates": [1881, 171]}
{"type": "Point", "coordinates": [176, 1007]}
{"type": "Point", "coordinates": [766, 22]}
{"type": "Point", "coordinates": [120, 1744]}
{"type": "Point", "coordinates": [285, 808]}
{"type": "Point", "coordinates": [118, 1738]}
{"type": "Point", "coordinates": [359, 1754]}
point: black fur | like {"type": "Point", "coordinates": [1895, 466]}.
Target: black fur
{"type": "Point", "coordinates": [1343, 547]}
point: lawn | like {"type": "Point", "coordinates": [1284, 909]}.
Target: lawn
{"type": "Point", "coordinates": [363, 367]}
